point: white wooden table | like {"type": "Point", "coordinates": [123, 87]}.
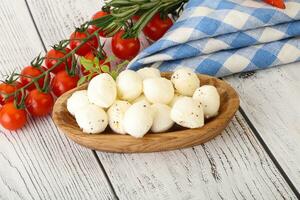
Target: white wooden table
{"type": "Point", "coordinates": [256, 157]}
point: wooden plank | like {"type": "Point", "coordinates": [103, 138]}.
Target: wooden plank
{"type": "Point", "coordinates": [232, 166]}
{"type": "Point", "coordinates": [271, 100]}
{"type": "Point", "coordinates": [37, 162]}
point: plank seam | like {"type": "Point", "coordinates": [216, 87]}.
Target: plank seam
{"type": "Point", "coordinates": [105, 175]}
{"type": "Point", "coordinates": [270, 154]}
{"type": "Point", "coordinates": [35, 26]}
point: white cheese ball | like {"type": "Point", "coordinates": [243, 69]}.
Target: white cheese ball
{"type": "Point", "coordinates": [188, 112]}
{"type": "Point", "coordinates": [91, 119]}
{"type": "Point", "coordinates": [129, 85]}
{"type": "Point", "coordinates": [138, 119]}
{"type": "Point", "coordinates": [175, 98]}
{"type": "Point", "coordinates": [209, 98]}
{"type": "Point", "coordinates": [102, 90]}
{"type": "Point", "coordinates": [185, 81]}
{"type": "Point", "coordinates": [140, 98]}
{"type": "Point", "coordinates": [158, 90]}
{"type": "Point", "coordinates": [161, 118]}
{"type": "Point", "coordinates": [148, 72]}
{"type": "Point", "coordinates": [116, 114]}
{"type": "Point", "coordinates": [78, 100]}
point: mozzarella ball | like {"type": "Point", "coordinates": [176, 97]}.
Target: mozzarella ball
{"type": "Point", "coordinates": [161, 118]}
{"type": "Point", "coordinates": [102, 90]}
{"type": "Point", "coordinates": [148, 72]}
{"type": "Point", "coordinates": [158, 90]}
{"type": "Point", "coordinates": [140, 98]}
{"type": "Point", "coordinates": [129, 85]}
{"type": "Point", "coordinates": [175, 98]}
{"type": "Point", "coordinates": [188, 112]}
{"type": "Point", "coordinates": [92, 119]}
{"type": "Point", "coordinates": [185, 81]}
{"type": "Point", "coordinates": [138, 119]}
{"type": "Point", "coordinates": [78, 100]}
{"type": "Point", "coordinates": [116, 114]}
{"type": "Point", "coordinates": [209, 98]}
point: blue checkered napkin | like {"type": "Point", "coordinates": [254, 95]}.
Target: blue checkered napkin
{"type": "Point", "coordinates": [223, 37]}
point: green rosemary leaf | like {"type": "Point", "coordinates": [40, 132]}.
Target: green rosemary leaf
{"type": "Point", "coordinates": [105, 68]}
{"type": "Point", "coordinates": [114, 74]}
{"type": "Point", "coordinates": [87, 64]}
{"type": "Point", "coordinates": [96, 62]}
{"type": "Point", "coordinates": [81, 80]}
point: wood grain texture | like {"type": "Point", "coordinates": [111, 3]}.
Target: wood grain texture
{"type": "Point", "coordinates": [271, 99]}
{"type": "Point", "coordinates": [173, 139]}
{"type": "Point", "coordinates": [37, 162]}
{"type": "Point", "coordinates": [232, 166]}
{"type": "Point", "coordinates": [171, 174]}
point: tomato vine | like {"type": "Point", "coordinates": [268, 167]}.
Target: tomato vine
{"type": "Point", "coordinates": [26, 89]}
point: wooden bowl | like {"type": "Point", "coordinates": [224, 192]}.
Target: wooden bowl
{"type": "Point", "coordinates": [176, 138]}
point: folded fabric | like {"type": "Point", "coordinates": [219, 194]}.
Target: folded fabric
{"type": "Point", "coordinates": [223, 37]}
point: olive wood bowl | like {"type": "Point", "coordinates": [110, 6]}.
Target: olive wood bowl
{"type": "Point", "coordinates": [176, 138]}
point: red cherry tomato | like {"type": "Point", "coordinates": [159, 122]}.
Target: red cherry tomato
{"type": "Point", "coordinates": [52, 58]}
{"type": "Point", "coordinates": [28, 72]}
{"type": "Point", "coordinates": [157, 27]}
{"type": "Point", "coordinates": [98, 15]}
{"type": "Point", "coordinates": [125, 49]}
{"type": "Point", "coordinates": [39, 103]}
{"type": "Point", "coordinates": [63, 82]}
{"type": "Point", "coordinates": [276, 3]}
{"type": "Point", "coordinates": [12, 118]}
{"type": "Point", "coordinates": [6, 88]}
{"type": "Point", "coordinates": [76, 38]}
{"type": "Point", "coordinates": [135, 18]}
{"type": "Point", "coordinates": [91, 56]}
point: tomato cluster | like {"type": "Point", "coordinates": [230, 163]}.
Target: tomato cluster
{"type": "Point", "coordinates": [36, 88]}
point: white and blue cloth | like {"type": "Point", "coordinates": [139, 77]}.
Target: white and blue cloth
{"type": "Point", "coordinates": [222, 37]}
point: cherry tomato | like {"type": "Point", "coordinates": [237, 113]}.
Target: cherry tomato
{"type": "Point", "coordinates": [63, 82]}
{"type": "Point", "coordinates": [6, 88]}
{"type": "Point", "coordinates": [135, 18]}
{"type": "Point", "coordinates": [98, 15]}
{"type": "Point", "coordinates": [125, 49]}
{"type": "Point", "coordinates": [276, 3]}
{"type": "Point", "coordinates": [91, 56]}
{"type": "Point", "coordinates": [39, 103]}
{"type": "Point", "coordinates": [76, 38]}
{"type": "Point", "coordinates": [31, 71]}
{"type": "Point", "coordinates": [12, 118]}
{"type": "Point", "coordinates": [53, 55]}
{"type": "Point", "coordinates": [157, 27]}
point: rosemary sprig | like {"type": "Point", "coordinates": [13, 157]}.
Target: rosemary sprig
{"type": "Point", "coordinates": [122, 11]}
